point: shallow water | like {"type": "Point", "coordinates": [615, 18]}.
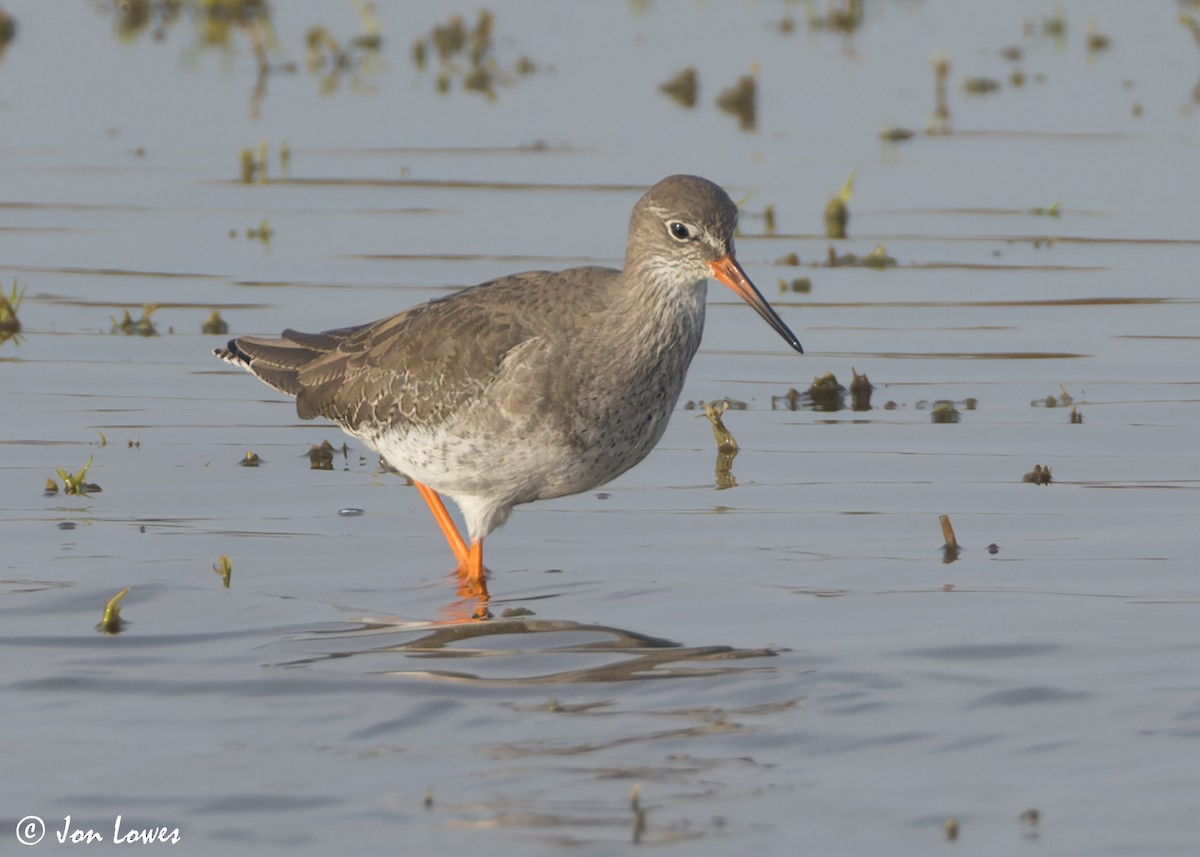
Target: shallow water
{"type": "Point", "coordinates": [786, 661]}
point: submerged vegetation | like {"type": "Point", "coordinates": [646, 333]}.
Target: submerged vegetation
{"type": "Point", "coordinates": [214, 325]}
{"type": "Point", "coordinates": [10, 304]}
{"type": "Point", "coordinates": [320, 457]}
{"type": "Point", "coordinates": [8, 30]}
{"type": "Point", "coordinates": [356, 59]}
{"type": "Point", "coordinates": [466, 56]}
{"type": "Point", "coordinates": [224, 567]}
{"type": "Point", "coordinates": [250, 459]}
{"type": "Point", "coordinates": [76, 484]}
{"type": "Point", "coordinates": [1040, 475]}
{"type": "Point", "coordinates": [837, 210]}
{"type": "Point", "coordinates": [682, 87]}
{"type": "Point", "coordinates": [111, 621]}
{"type": "Point", "coordinates": [741, 100]}
{"type": "Point", "coordinates": [727, 446]}
{"type": "Point", "coordinates": [253, 162]}
{"type": "Point", "coordinates": [130, 326]}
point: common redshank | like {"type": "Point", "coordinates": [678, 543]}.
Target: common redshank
{"type": "Point", "coordinates": [526, 387]}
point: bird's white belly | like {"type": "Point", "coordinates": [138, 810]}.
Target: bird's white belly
{"type": "Point", "coordinates": [458, 462]}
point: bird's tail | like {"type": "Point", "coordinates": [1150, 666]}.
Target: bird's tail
{"type": "Point", "coordinates": [279, 362]}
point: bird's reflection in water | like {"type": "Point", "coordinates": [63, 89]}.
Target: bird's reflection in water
{"type": "Point", "coordinates": [521, 649]}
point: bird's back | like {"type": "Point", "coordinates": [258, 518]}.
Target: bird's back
{"type": "Point", "coordinates": [422, 365]}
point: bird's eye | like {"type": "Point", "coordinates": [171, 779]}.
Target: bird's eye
{"type": "Point", "coordinates": [679, 231]}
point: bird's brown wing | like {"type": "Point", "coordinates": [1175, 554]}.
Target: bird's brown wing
{"type": "Point", "coordinates": [417, 367]}
{"type": "Point", "coordinates": [420, 366]}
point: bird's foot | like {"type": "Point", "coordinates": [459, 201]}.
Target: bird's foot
{"type": "Point", "coordinates": [472, 586]}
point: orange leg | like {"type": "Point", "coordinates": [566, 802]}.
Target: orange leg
{"type": "Point", "coordinates": [473, 578]}
{"type": "Point", "coordinates": [470, 559]}
{"type": "Point", "coordinates": [449, 530]}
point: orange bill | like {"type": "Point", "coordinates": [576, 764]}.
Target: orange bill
{"type": "Point", "coordinates": [728, 271]}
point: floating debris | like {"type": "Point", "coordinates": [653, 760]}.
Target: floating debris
{"type": "Point", "coordinates": [371, 37]}
{"type": "Point", "coordinates": [136, 327]}
{"type": "Point", "coordinates": [482, 71]}
{"type": "Point", "coordinates": [1031, 817]}
{"type": "Point", "coordinates": [1038, 476]}
{"type": "Point", "coordinates": [1192, 24]}
{"type": "Point", "coordinates": [682, 87]}
{"type": "Point", "coordinates": [360, 57]}
{"type": "Point", "coordinates": [515, 612]}
{"type": "Point", "coordinates": [950, 546]}
{"type": "Point", "coordinates": [429, 798]}
{"type": "Point", "coordinates": [262, 233]}
{"type": "Point", "coordinates": [1055, 27]}
{"type": "Point", "coordinates": [951, 827]}
{"type": "Point", "coordinates": [769, 219]}
{"type": "Point", "coordinates": [944, 412]}
{"type": "Point", "coordinates": [939, 120]}
{"type": "Point", "coordinates": [846, 260]}
{"type": "Point", "coordinates": [250, 459]}
{"type": "Point", "coordinates": [1076, 418]}
{"type": "Point", "coordinates": [892, 137]}
{"type": "Point", "coordinates": [891, 134]}
{"type": "Point", "coordinates": [741, 100]}
{"type": "Point", "coordinates": [878, 258]}
{"type": "Point", "coordinates": [993, 548]}
{"type": "Point", "coordinates": [1061, 400]}
{"type": "Point", "coordinates": [727, 447]}
{"type": "Point", "coordinates": [76, 483]}
{"type": "Point", "coordinates": [249, 166]}
{"type": "Point", "coordinates": [980, 85]}
{"type": "Point", "coordinates": [351, 512]}
{"type": "Point", "coordinates": [224, 568]}
{"type": "Point", "coordinates": [790, 400]}
{"type": "Point", "coordinates": [8, 30]}
{"type": "Point", "coordinates": [51, 488]}
{"type": "Point", "coordinates": [1049, 211]}
{"type": "Point", "coordinates": [724, 438]}
{"type": "Point", "coordinates": [450, 38]}
{"type": "Point", "coordinates": [10, 325]}
{"type": "Point", "coordinates": [478, 79]}
{"type": "Point", "coordinates": [803, 285]}
{"type": "Point", "coordinates": [789, 259]}
{"type": "Point", "coordinates": [321, 457]}
{"type": "Point", "coordinates": [1012, 53]}
{"type": "Point", "coordinates": [111, 622]}
{"type": "Point", "coordinates": [214, 325]}
{"type": "Point", "coordinates": [253, 163]}
{"type": "Point", "coordinates": [639, 814]}
{"type": "Point", "coordinates": [845, 17]}
{"type": "Point", "coordinates": [1096, 41]}
{"type": "Point", "coordinates": [826, 393]}
{"type": "Point", "coordinates": [837, 214]}
{"type": "Point", "coordinates": [860, 391]}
